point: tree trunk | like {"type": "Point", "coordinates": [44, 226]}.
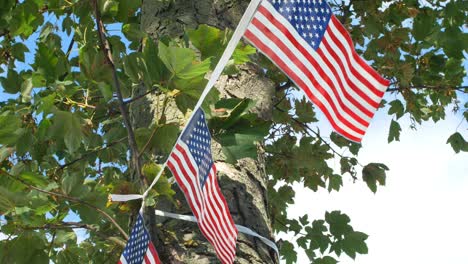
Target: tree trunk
{"type": "Point", "coordinates": [244, 184]}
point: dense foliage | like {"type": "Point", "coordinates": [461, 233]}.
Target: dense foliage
{"type": "Point", "coordinates": [64, 142]}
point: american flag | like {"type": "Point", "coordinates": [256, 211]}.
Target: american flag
{"type": "Point", "coordinates": [192, 165]}
{"type": "Point", "coordinates": [139, 248]}
{"type": "Point", "coordinates": [308, 43]}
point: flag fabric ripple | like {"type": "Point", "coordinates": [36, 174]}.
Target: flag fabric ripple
{"type": "Point", "coordinates": [192, 165]}
{"type": "Point", "coordinates": [308, 43]}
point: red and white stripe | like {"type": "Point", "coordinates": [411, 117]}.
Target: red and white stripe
{"type": "Point", "coordinates": [151, 256]}
{"type": "Point", "coordinates": [208, 203]}
{"type": "Point", "coordinates": [334, 77]}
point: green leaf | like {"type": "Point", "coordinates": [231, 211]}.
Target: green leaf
{"type": "Point", "coordinates": [18, 50]}
{"type": "Point", "coordinates": [25, 18]}
{"type": "Point", "coordinates": [109, 7]}
{"type": "Point", "coordinates": [71, 182]}
{"type": "Point", "coordinates": [8, 200]}
{"type": "Point", "coordinates": [236, 113]}
{"type": "Point", "coordinates": [63, 237]}
{"type": "Point", "coordinates": [458, 143]}
{"type": "Point", "coordinates": [135, 68]}
{"type": "Point", "coordinates": [29, 247]}
{"type": "Point", "coordinates": [394, 133]}
{"type": "Point", "coordinates": [133, 32]}
{"type": "Point", "coordinates": [304, 220]}
{"type": "Point", "coordinates": [374, 173]}
{"type": "Point", "coordinates": [12, 83]}
{"type": "Point", "coordinates": [38, 80]}
{"type": "Point", "coordinates": [341, 141]}
{"type": "Point", "coordinates": [127, 8]}
{"type": "Point", "coordinates": [165, 138]}
{"type": "Point", "coordinates": [325, 260]}
{"type": "Point", "coordinates": [106, 90]}
{"type": "Point", "coordinates": [454, 42]}
{"type": "Point", "coordinates": [164, 187]}
{"type": "Point", "coordinates": [46, 105]}
{"type": "Point", "coordinates": [72, 255]}
{"type": "Point", "coordinates": [9, 129]}
{"type": "Point", "coordinates": [195, 70]}
{"type": "Point", "coordinates": [150, 170]}
{"type": "Point", "coordinates": [304, 111]}
{"type": "Point", "coordinates": [26, 89]}
{"type": "Point", "coordinates": [5, 152]}
{"type": "Point", "coordinates": [67, 24]}
{"type": "Point", "coordinates": [397, 108]}
{"type": "Point", "coordinates": [242, 143]}
{"type": "Point", "coordinates": [93, 65]}
{"type": "Point", "coordinates": [210, 41]}
{"type": "Point", "coordinates": [156, 68]}
{"type": "Point", "coordinates": [294, 226]}
{"type": "Point", "coordinates": [161, 138]}
{"type": "Point", "coordinates": [176, 59]}
{"type": "Point", "coordinates": [67, 126]}
{"type": "Point", "coordinates": [423, 24]}
{"type": "Point", "coordinates": [22, 210]}
{"type": "Point", "coordinates": [335, 182]}
{"type": "Point", "coordinates": [47, 63]}
{"type": "Point", "coordinates": [242, 52]}
{"type": "Point", "coordinates": [355, 243]}
{"type": "Point", "coordinates": [339, 223]}
{"type": "Point", "coordinates": [34, 179]}
{"type": "Point", "coordinates": [288, 253]}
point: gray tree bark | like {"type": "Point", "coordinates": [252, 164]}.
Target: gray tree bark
{"type": "Point", "coordinates": [244, 184]}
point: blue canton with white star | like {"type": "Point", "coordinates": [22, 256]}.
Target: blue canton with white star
{"type": "Point", "coordinates": [137, 244]}
{"type": "Point", "coordinates": [309, 17]}
{"type": "Point", "coordinates": [198, 139]}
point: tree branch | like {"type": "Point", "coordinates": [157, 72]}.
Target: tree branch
{"type": "Point", "coordinates": [285, 86]}
{"type": "Point", "coordinates": [72, 225]}
{"type": "Point", "coordinates": [149, 141]}
{"type": "Point", "coordinates": [309, 131]}
{"type": "Point", "coordinates": [105, 47]}
{"type": "Point", "coordinates": [69, 198]}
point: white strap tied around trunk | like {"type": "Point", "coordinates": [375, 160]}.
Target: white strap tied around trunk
{"type": "Point", "coordinates": [241, 229]}
{"type": "Point", "coordinates": [189, 218]}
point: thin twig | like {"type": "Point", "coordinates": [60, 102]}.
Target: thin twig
{"type": "Point", "coordinates": [72, 225]}
{"type": "Point", "coordinates": [52, 241]}
{"type": "Point", "coordinates": [285, 86]}
{"type": "Point", "coordinates": [105, 47]}
{"type": "Point", "coordinates": [70, 46]}
{"type": "Point", "coordinates": [309, 130]}
{"type": "Point", "coordinates": [141, 96]}
{"type": "Point", "coordinates": [149, 141]}
{"type": "Point", "coordinates": [91, 152]}
{"type": "Point", "coordinates": [440, 88]}
{"type": "Point", "coordinates": [69, 198]}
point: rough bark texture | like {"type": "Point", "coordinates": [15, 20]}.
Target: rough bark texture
{"type": "Point", "coordinates": [243, 184]}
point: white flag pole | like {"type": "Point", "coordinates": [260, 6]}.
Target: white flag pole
{"type": "Point", "coordinates": [238, 33]}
